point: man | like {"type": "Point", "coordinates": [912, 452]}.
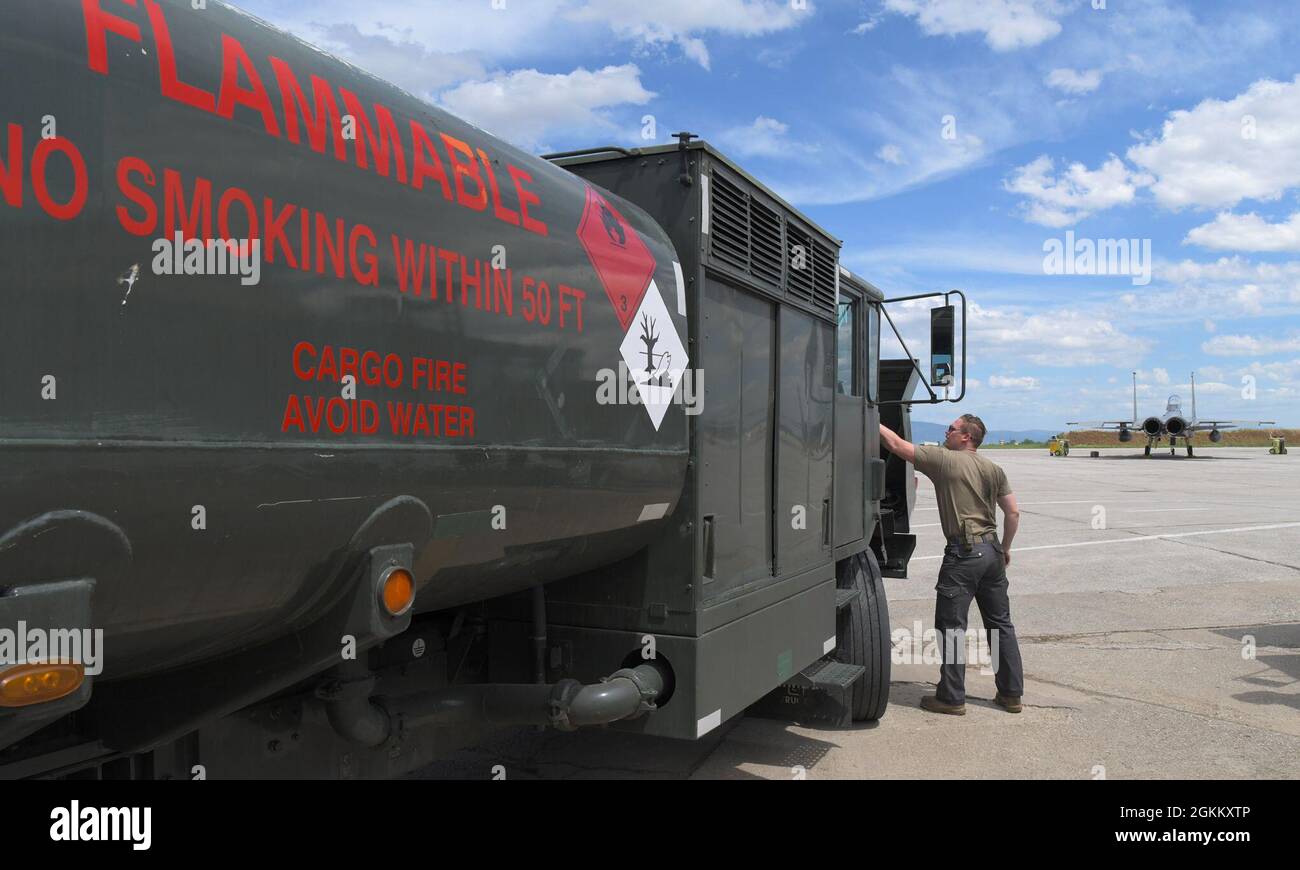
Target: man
{"type": "Point", "coordinates": [974, 563]}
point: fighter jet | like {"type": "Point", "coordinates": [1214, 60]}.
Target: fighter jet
{"type": "Point", "coordinates": [1173, 424]}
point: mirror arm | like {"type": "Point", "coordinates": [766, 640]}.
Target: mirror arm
{"type": "Point", "coordinates": [933, 395]}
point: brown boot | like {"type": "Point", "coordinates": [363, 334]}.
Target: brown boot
{"type": "Point", "coordinates": [934, 705]}
{"type": "Point", "coordinates": [1011, 705]}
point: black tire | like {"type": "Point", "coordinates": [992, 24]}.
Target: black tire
{"type": "Point", "coordinates": [862, 633]}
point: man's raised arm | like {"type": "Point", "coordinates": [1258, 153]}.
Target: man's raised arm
{"type": "Point", "coordinates": [904, 450]}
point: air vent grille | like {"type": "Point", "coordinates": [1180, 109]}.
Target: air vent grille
{"type": "Point", "coordinates": [768, 245]}
{"type": "Point", "coordinates": [729, 223]}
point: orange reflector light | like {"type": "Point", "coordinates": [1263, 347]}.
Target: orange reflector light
{"type": "Point", "coordinates": [23, 685]}
{"type": "Point", "coordinates": [397, 591]}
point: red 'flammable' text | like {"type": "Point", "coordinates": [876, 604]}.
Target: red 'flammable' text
{"type": "Point", "coordinates": [381, 145]}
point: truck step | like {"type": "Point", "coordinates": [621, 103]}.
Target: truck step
{"type": "Point", "coordinates": [832, 676]}
{"type": "Point", "coordinates": [843, 597]}
{"type": "Point", "coordinates": [821, 694]}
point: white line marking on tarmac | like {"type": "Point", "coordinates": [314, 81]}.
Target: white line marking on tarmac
{"type": "Point", "coordinates": [1022, 504]}
{"type": "Point", "coordinates": [1166, 510]}
{"type": "Point", "coordinates": [1133, 540]}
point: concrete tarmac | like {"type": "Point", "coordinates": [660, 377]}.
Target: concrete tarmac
{"type": "Point", "coordinates": [1158, 607]}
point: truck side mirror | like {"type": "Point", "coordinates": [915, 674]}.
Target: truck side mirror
{"type": "Point", "coordinates": [941, 345]}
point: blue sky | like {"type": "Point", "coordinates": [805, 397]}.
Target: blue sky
{"type": "Point", "coordinates": [946, 142]}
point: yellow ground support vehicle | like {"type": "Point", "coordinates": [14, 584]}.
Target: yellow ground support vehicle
{"type": "Point", "coordinates": [1059, 446]}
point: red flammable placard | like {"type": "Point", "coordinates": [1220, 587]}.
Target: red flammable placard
{"type": "Point", "coordinates": [622, 261]}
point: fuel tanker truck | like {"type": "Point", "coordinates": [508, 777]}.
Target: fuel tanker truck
{"type": "Point", "coordinates": [338, 432]}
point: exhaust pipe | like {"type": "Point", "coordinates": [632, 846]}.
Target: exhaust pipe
{"type": "Point", "coordinates": [1176, 425]}
{"type": "Point", "coordinates": [566, 705]}
{"type": "Point", "coordinates": [1153, 426]}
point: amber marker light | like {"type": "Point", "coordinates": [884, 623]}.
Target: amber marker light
{"type": "Point", "coordinates": [397, 591]}
{"type": "Point", "coordinates": [24, 685]}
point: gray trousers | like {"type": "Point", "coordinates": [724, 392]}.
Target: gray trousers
{"type": "Point", "coordinates": [975, 571]}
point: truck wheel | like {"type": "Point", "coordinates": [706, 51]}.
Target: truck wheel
{"type": "Point", "coordinates": [862, 633]}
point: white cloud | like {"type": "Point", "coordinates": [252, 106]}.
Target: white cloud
{"type": "Point", "coordinates": [403, 44]}
{"type": "Point", "coordinates": [891, 154]}
{"type": "Point", "coordinates": [939, 253]}
{"type": "Point", "coordinates": [1060, 338]}
{"type": "Point", "coordinates": [1075, 81]}
{"type": "Point", "coordinates": [525, 105]}
{"type": "Point", "coordinates": [1224, 288]}
{"type": "Point", "coordinates": [1055, 338]}
{"type": "Point", "coordinates": [400, 41]}
{"type": "Point", "coordinates": [911, 109]}
{"type": "Point", "coordinates": [1213, 373]}
{"type": "Point", "coordinates": [1006, 24]}
{"type": "Point", "coordinates": [998, 382]}
{"type": "Point", "coordinates": [399, 59]}
{"type": "Point", "coordinates": [1224, 151]}
{"type": "Point", "coordinates": [1246, 232]}
{"type": "Point", "coordinates": [681, 21]}
{"type": "Point", "coordinates": [1282, 372]}
{"type": "Point", "coordinates": [1250, 345]}
{"type": "Point", "coordinates": [1213, 388]}
{"type": "Point", "coordinates": [1156, 47]}
{"type": "Point", "coordinates": [765, 137]}
{"type": "Point", "coordinates": [1061, 200]}
{"type": "Point", "coordinates": [867, 25]}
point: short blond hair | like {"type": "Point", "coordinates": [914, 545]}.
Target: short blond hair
{"type": "Point", "coordinates": [974, 428]}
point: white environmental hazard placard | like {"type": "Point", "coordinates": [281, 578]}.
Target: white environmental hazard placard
{"type": "Point", "coordinates": [655, 356]}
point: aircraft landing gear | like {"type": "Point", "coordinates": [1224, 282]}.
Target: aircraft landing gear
{"type": "Point", "coordinates": [1189, 450]}
{"type": "Point", "coordinates": [1147, 454]}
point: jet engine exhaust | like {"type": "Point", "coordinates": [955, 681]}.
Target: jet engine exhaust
{"type": "Point", "coordinates": [1176, 425]}
{"type": "Point", "coordinates": [1152, 426]}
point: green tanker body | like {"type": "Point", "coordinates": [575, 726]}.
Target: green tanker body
{"type": "Point", "coordinates": [328, 415]}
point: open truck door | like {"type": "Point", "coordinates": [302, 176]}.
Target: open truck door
{"type": "Point", "coordinates": [893, 396]}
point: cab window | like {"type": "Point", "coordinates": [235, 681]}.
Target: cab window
{"type": "Point", "coordinates": [848, 380]}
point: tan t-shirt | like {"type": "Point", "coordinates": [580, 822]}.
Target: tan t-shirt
{"type": "Point", "coordinates": [968, 487]}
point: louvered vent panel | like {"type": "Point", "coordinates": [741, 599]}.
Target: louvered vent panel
{"type": "Point", "coordinates": [728, 223]}
{"type": "Point", "coordinates": [824, 269]}
{"type": "Point", "coordinates": [799, 260]}
{"type": "Point", "coordinates": [765, 242]}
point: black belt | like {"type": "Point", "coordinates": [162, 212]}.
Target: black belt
{"type": "Point", "coordinates": [965, 541]}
